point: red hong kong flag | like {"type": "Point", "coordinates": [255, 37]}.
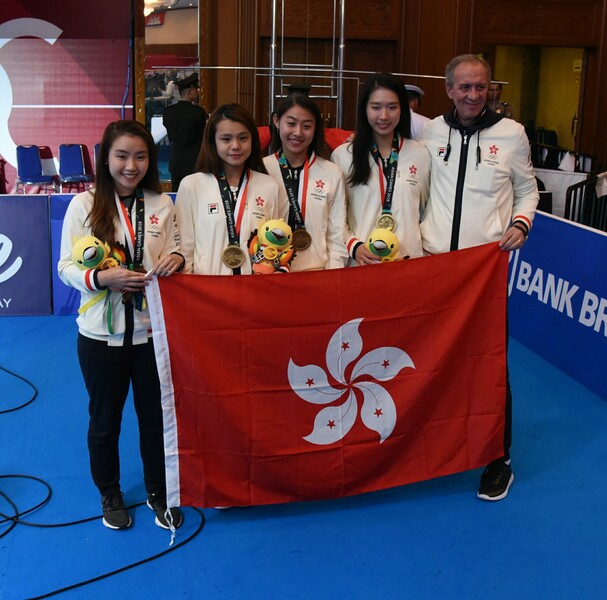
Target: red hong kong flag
{"type": "Point", "coordinates": [330, 383]}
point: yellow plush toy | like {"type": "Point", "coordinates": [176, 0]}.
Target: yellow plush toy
{"type": "Point", "coordinates": [89, 252]}
{"type": "Point", "coordinates": [383, 244]}
{"type": "Point", "coordinates": [270, 247]}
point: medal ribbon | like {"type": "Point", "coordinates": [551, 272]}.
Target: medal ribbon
{"type": "Point", "coordinates": [241, 200]}
{"type": "Point", "coordinates": [297, 200]}
{"type": "Point", "coordinates": [387, 180]}
{"type": "Point", "coordinates": [239, 205]}
{"type": "Point", "coordinates": [134, 235]}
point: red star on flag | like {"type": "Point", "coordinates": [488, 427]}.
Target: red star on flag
{"type": "Point", "coordinates": [493, 149]}
{"type": "Point", "coordinates": [310, 382]}
{"type": "Point", "coordinates": [386, 364]}
{"type": "Point", "coordinates": [345, 345]}
{"type": "Point", "coordinates": [378, 413]}
{"type": "Point", "coordinates": [320, 183]}
{"type": "Point", "coordinates": [413, 170]}
{"type": "Point", "coordinates": [259, 201]}
{"type": "Point", "coordinates": [154, 220]}
{"type": "Point", "coordinates": [331, 424]}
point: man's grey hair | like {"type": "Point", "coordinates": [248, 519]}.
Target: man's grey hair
{"type": "Point", "coordinates": [463, 58]}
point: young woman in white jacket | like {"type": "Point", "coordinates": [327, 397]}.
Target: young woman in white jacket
{"type": "Point", "coordinates": [221, 205]}
{"type": "Point", "coordinates": [314, 186]}
{"type": "Point", "coordinates": [387, 172]}
{"type": "Point", "coordinates": [127, 214]}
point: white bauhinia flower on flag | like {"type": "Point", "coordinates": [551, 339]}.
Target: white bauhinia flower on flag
{"type": "Point", "coordinates": [378, 411]}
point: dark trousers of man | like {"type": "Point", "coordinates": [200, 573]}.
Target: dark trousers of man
{"type": "Point", "coordinates": [108, 372]}
{"type": "Point", "coordinates": [508, 416]}
{"type": "Point", "coordinates": [508, 410]}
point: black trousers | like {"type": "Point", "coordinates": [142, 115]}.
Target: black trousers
{"type": "Point", "coordinates": [108, 373]}
{"type": "Point", "coordinates": [508, 412]}
{"type": "Point", "coordinates": [508, 416]}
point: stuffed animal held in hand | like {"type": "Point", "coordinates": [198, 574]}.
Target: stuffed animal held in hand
{"type": "Point", "coordinates": [270, 247]}
{"type": "Point", "coordinates": [383, 244]}
{"type": "Point", "coordinates": [89, 252]}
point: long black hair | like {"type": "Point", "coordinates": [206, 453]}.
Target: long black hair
{"type": "Point", "coordinates": [360, 170]}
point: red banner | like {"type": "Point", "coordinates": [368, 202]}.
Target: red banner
{"type": "Point", "coordinates": [331, 383]}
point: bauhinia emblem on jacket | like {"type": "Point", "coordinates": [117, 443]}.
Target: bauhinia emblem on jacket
{"type": "Point", "coordinates": [378, 411]}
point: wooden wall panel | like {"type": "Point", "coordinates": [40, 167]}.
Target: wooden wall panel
{"type": "Point", "coordinates": [410, 36]}
{"type": "Point", "coordinates": [185, 50]}
{"type": "Point", "coordinates": [432, 33]}
{"type": "Point", "coordinates": [206, 52]}
{"type": "Point", "coordinates": [227, 51]}
{"type": "Point", "coordinates": [376, 19]}
{"type": "Point", "coordinates": [139, 56]}
{"type": "Point", "coordinates": [538, 23]}
{"type": "Point", "coordinates": [302, 18]}
{"type": "Point", "coordinates": [370, 57]}
{"type": "Point", "coordinates": [364, 19]}
{"type": "Point", "coordinates": [421, 36]}
{"type": "Point", "coordinates": [247, 52]}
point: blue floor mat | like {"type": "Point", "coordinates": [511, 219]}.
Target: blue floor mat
{"type": "Point", "coordinates": [433, 539]}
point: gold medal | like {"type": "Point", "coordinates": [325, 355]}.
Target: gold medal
{"type": "Point", "coordinates": [302, 240]}
{"type": "Point", "coordinates": [233, 256]}
{"type": "Point", "coordinates": [386, 221]}
{"type": "Point", "coordinates": [270, 253]}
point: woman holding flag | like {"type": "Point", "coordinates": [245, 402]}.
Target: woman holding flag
{"type": "Point", "coordinates": [135, 232]}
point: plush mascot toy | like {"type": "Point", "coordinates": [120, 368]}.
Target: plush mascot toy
{"type": "Point", "coordinates": [89, 252]}
{"type": "Point", "coordinates": [383, 244]}
{"type": "Point", "coordinates": [270, 247]}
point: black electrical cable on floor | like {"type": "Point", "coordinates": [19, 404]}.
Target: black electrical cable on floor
{"type": "Point", "coordinates": [129, 566]}
{"type": "Point", "coordinates": [17, 517]}
{"type": "Point", "coordinates": [17, 520]}
{"type": "Point", "coordinates": [8, 410]}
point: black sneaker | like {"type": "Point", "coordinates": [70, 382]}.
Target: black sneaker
{"type": "Point", "coordinates": [164, 517]}
{"type": "Point", "coordinates": [114, 511]}
{"type": "Point", "coordinates": [495, 481]}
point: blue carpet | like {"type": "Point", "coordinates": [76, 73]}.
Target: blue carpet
{"type": "Point", "coordinates": [434, 539]}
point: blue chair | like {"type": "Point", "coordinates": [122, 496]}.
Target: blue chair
{"type": "Point", "coordinates": [73, 167]}
{"type": "Point", "coordinates": [29, 170]}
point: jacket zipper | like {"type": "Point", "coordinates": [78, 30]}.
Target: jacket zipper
{"type": "Point", "coordinates": [459, 192]}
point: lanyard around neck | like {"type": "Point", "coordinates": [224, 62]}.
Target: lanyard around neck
{"type": "Point", "coordinates": [387, 181]}
{"type": "Point", "coordinates": [297, 195]}
{"type": "Point", "coordinates": [134, 232]}
{"type": "Point", "coordinates": [234, 215]}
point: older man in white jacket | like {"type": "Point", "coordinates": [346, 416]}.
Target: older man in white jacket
{"type": "Point", "coordinates": [482, 190]}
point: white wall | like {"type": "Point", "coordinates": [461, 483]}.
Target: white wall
{"type": "Point", "coordinates": [180, 27]}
